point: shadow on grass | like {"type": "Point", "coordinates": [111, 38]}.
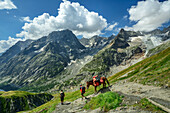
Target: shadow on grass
{"type": "Point", "coordinates": [104, 90]}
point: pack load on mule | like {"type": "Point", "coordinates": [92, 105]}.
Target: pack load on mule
{"type": "Point", "coordinates": [97, 81]}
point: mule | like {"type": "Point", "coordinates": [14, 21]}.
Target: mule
{"type": "Point", "coordinates": [103, 81]}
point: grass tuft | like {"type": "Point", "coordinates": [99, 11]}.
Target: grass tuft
{"type": "Point", "coordinates": [106, 101]}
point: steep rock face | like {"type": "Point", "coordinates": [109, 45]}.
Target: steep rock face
{"type": "Point", "coordinates": [113, 54]}
{"type": "Point", "coordinates": [14, 50]}
{"type": "Point", "coordinates": [22, 102]}
{"type": "Point", "coordinates": [122, 39]}
{"type": "Point", "coordinates": [95, 44]}
{"type": "Point", "coordinates": [43, 58]}
{"type": "Point", "coordinates": [124, 35]}
{"type": "Point", "coordinates": [96, 41]}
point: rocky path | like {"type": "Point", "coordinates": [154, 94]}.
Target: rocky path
{"type": "Point", "coordinates": [157, 94]}
{"type": "Point", "coordinates": [143, 91]}
{"type": "Point", "coordinates": [132, 93]}
{"type": "Point", "coordinates": [74, 107]}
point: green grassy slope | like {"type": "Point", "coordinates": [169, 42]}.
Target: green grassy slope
{"type": "Point", "coordinates": [152, 71]}
{"type": "Point", "coordinates": [9, 94]}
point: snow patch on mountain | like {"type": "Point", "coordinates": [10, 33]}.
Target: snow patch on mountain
{"type": "Point", "coordinates": [150, 41]}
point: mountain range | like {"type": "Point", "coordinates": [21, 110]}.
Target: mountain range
{"type": "Point", "coordinates": [60, 60]}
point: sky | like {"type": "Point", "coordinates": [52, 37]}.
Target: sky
{"type": "Point", "coordinates": [31, 19]}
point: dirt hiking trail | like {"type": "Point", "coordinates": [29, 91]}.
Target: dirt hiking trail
{"type": "Point", "coordinates": [132, 92]}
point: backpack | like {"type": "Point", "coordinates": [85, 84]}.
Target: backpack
{"type": "Point", "coordinates": [83, 89]}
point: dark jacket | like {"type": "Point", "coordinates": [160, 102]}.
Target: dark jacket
{"type": "Point", "coordinates": [62, 95]}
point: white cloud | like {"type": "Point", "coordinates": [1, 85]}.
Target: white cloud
{"type": "Point", "coordinates": [110, 27]}
{"type": "Point", "coordinates": [71, 16]}
{"type": "Point", "coordinates": [6, 44]}
{"type": "Point", "coordinates": [26, 19]}
{"type": "Point", "coordinates": [7, 4]}
{"type": "Point", "coordinates": [149, 14]}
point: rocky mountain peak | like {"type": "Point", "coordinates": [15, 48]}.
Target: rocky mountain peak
{"type": "Point", "coordinates": [121, 40]}
{"type": "Point", "coordinates": [126, 34]}
{"type": "Point", "coordinates": [56, 51]}
{"type": "Point", "coordinates": [158, 31]}
{"type": "Point", "coordinates": [60, 40]}
{"type": "Point", "coordinates": [65, 37]}
{"type": "Point", "coordinates": [96, 42]}
{"type": "Point", "coordinates": [122, 31]}
{"type": "Point", "coordinates": [14, 50]}
{"type": "Point", "coordinates": [60, 35]}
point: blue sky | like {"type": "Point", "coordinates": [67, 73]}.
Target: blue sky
{"type": "Point", "coordinates": [31, 19]}
{"type": "Point", "coordinates": [112, 10]}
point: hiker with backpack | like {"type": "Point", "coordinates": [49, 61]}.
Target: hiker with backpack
{"type": "Point", "coordinates": [82, 90]}
{"type": "Point", "coordinates": [62, 95]}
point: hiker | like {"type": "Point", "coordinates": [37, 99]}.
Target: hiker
{"type": "Point", "coordinates": [82, 90]}
{"type": "Point", "coordinates": [96, 80]}
{"type": "Point", "coordinates": [62, 95]}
